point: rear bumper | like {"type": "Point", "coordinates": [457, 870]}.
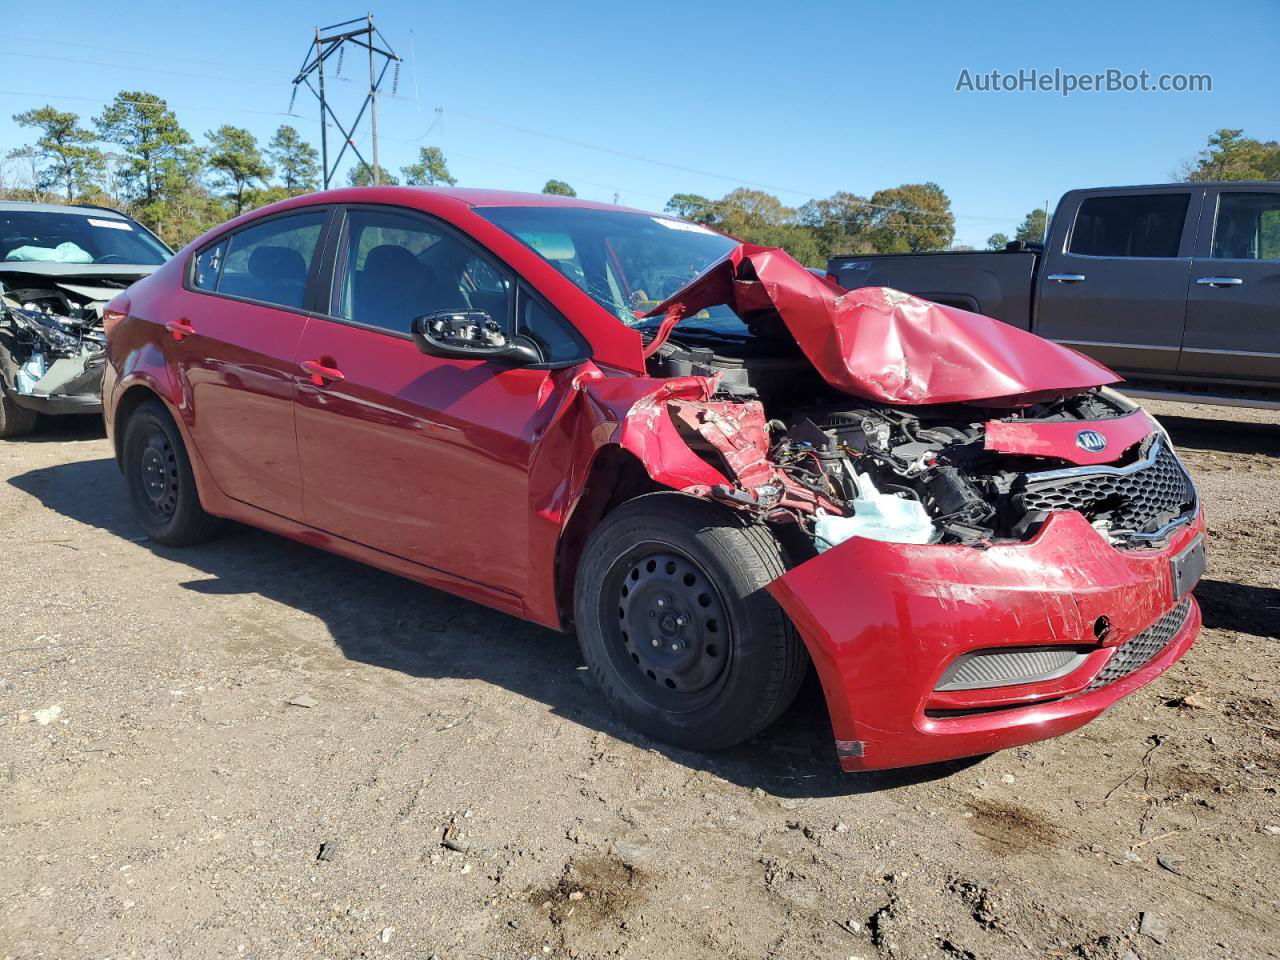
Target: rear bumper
{"type": "Point", "coordinates": [884, 621]}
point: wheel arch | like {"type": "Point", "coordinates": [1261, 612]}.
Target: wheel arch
{"type": "Point", "coordinates": [137, 392]}
{"type": "Point", "coordinates": [131, 398]}
{"type": "Point", "coordinates": [615, 477]}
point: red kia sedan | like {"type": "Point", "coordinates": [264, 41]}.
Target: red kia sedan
{"type": "Point", "coordinates": [713, 465]}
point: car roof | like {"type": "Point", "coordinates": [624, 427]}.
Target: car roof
{"type": "Point", "coordinates": [1182, 185]}
{"type": "Point", "coordinates": [82, 209]}
{"type": "Point", "coordinates": [478, 197]}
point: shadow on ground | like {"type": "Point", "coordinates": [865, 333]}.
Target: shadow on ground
{"type": "Point", "coordinates": [1224, 435]}
{"type": "Point", "coordinates": [1241, 607]}
{"type": "Point", "coordinates": [386, 621]}
{"type": "Point", "coordinates": [63, 429]}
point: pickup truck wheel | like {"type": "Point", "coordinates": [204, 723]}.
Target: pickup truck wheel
{"type": "Point", "coordinates": [676, 626]}
{"type": "Point", "coordinates": [15, 421]}
{"type": "Point", "coordinates": [161, 486]}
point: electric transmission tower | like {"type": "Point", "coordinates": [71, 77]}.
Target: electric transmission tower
{"type": "Point", "coordinates": [326, 45]}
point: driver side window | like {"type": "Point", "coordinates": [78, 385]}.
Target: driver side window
{"type": "Point", "coordinates": [393, 268]}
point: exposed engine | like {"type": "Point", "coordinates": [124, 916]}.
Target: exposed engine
{"type": "Point", "coordinates": [923, 474]}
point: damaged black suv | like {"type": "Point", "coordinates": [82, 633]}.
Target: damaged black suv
{"type": "Point", "coordinates": [59, 266]}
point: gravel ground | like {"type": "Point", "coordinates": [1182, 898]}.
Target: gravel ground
{"type": "Point", "coordinates": [255, 749]}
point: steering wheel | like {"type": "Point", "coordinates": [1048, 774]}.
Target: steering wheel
{"type": "Point", "coordinates": [110, 258]}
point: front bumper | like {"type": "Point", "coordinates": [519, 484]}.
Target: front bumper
{"type": "Point", "coordinates": [67, 385]}
{"type": "Point", "coordinates": [58, 404]}
{"type": "Point", "coordinates": [883, 621]}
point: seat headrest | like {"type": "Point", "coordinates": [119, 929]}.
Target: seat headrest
{"type": "Point", "coordinates": [278, 263]}
{"type": "Point", "coordinates": [389, 260]}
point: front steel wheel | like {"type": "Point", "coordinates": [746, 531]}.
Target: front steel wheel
{"type": "Point", "coordinates": [676, 625]}
{"type": "Point", "coordinates": [672, 638]}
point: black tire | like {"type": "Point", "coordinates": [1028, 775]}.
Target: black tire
{"type": "Point", "coordinates": [15, 421]}
{"type": "Point", "coordinates": [676, 626]}
{"type": "Point", "coordinates": [161, 486]}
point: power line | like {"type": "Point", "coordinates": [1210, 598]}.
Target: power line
{"type": "Point", "coordinates": [221, 78]}
{"type": "Point", "coordinates": [529, 131]}
{"type": "Point", "coordinates": [149, 54]}
{"type": "Point", "coordinates": [146, 101]}
{"type": "Point", "coordinates": [706, 204]}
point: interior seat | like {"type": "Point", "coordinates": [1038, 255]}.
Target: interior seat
{"type": "Point", "coordinates": [395, 287]}
{"type": "Point", "coordinates": [279, 275]}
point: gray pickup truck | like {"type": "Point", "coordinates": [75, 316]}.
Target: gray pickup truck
{"type": "Point", "coordinates": [1174, 286]}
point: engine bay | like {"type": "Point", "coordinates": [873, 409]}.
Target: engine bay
{"type": "Point", "coordinates": [911, 473]}
{"type": "Point", "coordinates": [51, 338]}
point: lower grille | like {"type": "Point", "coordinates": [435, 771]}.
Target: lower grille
{"type": "Point", "coordinates": [1141, 648]}
{"type": "Point", "coordinates": [1131, 501]}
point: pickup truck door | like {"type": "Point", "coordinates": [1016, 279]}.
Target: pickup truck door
{"type": "Point", "coordinates": [1233, 309]}
{"type": "Point", "coordinates": [1113, 282]}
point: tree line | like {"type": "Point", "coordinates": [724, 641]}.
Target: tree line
{"type": "Point", "coordinates": [136, 156]}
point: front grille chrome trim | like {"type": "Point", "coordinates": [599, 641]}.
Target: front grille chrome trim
{"type": "Point", "coordinates": [1105, 470]}
{"type": "Point", "coordinates": [1052, 490]}
{"type": "Point", "coordinates": [1167, 530]}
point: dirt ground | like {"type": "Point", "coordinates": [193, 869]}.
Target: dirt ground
{"type": "Point", "coordinates": [254, 749]}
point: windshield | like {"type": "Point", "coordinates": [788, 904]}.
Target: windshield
{"type": "Point", "coordinates": [627, 262]}
{"type": "Point", "coordinates": [38, 236]}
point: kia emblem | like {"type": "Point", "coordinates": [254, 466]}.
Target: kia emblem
{"type": "Point", "coordinates": [1091, 440]}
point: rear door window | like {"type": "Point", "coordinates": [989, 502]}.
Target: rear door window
{"type": "Point", "coordinates": [267, 262]}
{"type": "Point", "coordinates": [1247, 227]}
{"type": "Point", "coordinates": [1142, 225]}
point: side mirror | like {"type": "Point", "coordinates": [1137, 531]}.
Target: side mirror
{"type": "Point", "coordinates": [471, 335]}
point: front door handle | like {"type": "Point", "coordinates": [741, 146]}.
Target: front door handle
{"type": "Point", "coordinates": [180, 329]}
{"type": "Point", "coordinates": [322, 373]}
{"type": "Point", "coordinates": [1220, 281]}
{"type": "Point", "coordinates": [1065, 277]}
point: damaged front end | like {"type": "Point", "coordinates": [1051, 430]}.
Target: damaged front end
{"type": "Point", "coordinates": [875, 414]}
{"type": "Point", "coordinates": [52, 341]}
{"type": "Point", "coordinates": [959, 500]}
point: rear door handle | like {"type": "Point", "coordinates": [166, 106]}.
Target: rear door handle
{"type": "Point", "coordinates": [1220, 281]}
{"type": "Point", "coordinates": [1065, 277]}
{"type": "Point", "coordinates": [180, 329]}
{"type": "Point", "coordinates": [321, 373]}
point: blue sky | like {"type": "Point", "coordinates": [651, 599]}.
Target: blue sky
{"type": "Point", "coordinates": [804, 98]}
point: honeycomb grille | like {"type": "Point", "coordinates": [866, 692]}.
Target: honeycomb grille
{"type": "Point", "coordinates": [1139, 502]}
{"type": "Point", "coordinates": [1138, 650]}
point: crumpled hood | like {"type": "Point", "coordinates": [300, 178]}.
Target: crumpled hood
{"type": "Point", "coordinates": [885, 345]}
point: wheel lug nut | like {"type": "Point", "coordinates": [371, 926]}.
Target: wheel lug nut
{"type": "Point", "coordinates": [680, 621]}
{"type": "Point", "coordinates": [661, 602]}
{"type": "Point", "coordinates": [675, 646]}
{"type": "Point", "coordinates": [655, 641]}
